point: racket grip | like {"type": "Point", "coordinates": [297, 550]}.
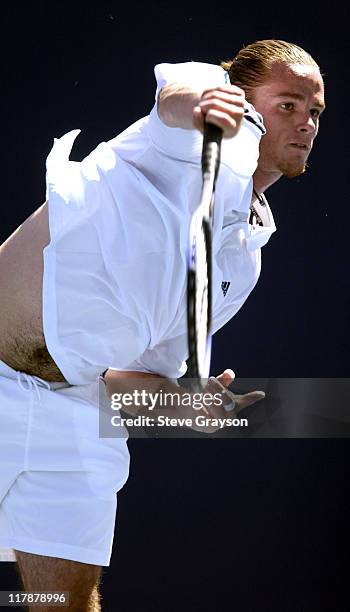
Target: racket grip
{"type": "Point", "coordinates": [211, 149]}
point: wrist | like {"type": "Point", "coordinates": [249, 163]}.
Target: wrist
{"type": "Point", "coordinates": [175, 106]}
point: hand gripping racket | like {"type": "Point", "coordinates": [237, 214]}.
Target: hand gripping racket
{"type": "Point", "coordinates": [199, 263]}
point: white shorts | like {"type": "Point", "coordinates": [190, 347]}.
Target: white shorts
{"type": "Point", "coordinates": [58, 479]}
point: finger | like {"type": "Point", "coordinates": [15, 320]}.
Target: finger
{"type": "Point", "coordinates": [229, 107]}
{"type": "Point", "coordinates": [226, 377]}
{"type": "Point", "coordinates": [224, 101]}
{"type": "Point", "coordinates": [229, 125]}
{"type": "Point", "coordinates": [242, 401]}
{"type": "Point", "coordinates": [226, 116]}
{"type": "Point", "coordinates": [198, 118]}
{"type": "Point", "coordinates": [221, 395]}
{"type": "Point", "coordinates": [225, 89]}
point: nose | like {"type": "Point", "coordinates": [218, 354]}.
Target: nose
{"type": "Point", "coordinates": [307, 125]}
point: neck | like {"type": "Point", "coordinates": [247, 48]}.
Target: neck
{"type": "Point", "coordinates": [263, 180]}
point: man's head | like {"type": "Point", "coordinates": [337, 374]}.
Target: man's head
{"type": "Point", "coordinates": [285, 85]}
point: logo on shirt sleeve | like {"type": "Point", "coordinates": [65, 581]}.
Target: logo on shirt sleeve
{"type": "Point", "coordinates": [250, 114]}
{"type": "Point", "coordinates": [224, 286]}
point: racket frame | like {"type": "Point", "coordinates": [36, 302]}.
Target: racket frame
{"type": "Point", "coordinates": [202, 221]}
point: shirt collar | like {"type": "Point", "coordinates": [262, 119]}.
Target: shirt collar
{"type": "Point", "coordinates": [259, 235]}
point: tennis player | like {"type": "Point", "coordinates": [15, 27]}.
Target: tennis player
{"type": "Point", "coordinates": [94, 282]}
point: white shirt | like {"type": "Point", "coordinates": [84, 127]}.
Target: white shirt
{"type": "Point", "coordinates": [114, 291]}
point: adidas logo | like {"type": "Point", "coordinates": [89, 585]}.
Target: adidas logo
{"type": "Point", "coordinates": [224, 286]}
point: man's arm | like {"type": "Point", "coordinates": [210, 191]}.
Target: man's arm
{"type": "Point", "coordinates": [182, 107]}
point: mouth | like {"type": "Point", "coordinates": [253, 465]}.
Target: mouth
{"type": "Point", "coordinates": [300, 145]}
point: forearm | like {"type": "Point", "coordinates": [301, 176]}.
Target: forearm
{"type": "Point", "coordinates": [175, 105]}
{"type": "Point", "coordinates": [148, 395]}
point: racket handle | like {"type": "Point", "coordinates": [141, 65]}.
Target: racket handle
{"type": "Point", "coordinates": [211, 149]}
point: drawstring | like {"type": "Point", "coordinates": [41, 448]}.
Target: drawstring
{"type": "Point", "coordinates": [32, 382]}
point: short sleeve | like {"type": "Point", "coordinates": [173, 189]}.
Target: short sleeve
{"type": "Point", "coordinates": [185, 145]}
{"type": "Point", "coordinates": [168, 359]}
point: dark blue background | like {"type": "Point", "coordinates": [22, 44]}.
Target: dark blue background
{"type": "Point", "coordinates": [208, 523]}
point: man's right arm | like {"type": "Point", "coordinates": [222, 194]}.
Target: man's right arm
{"type": "Point", "coordinates": [182, 107]}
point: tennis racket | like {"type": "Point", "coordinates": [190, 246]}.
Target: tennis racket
{"type": "Point", "coordinates": [199, 263]}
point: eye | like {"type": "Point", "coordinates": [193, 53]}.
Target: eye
{"type": "Point", "coordinates": [315, 112]}
{"type": "Point", "coordinates": [288, 106]}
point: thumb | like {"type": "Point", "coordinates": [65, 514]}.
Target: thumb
{"type": "Point", "coordinates": [226, 377]}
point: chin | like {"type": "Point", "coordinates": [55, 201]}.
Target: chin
{"type": "Point", "coordinates": [292, 170]}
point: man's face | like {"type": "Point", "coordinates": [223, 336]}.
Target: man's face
{"type": "Point", "coordinates": [290, 102]}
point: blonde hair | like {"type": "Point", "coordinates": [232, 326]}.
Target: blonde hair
{"type": "Point", "coordinates": [252, 65]}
